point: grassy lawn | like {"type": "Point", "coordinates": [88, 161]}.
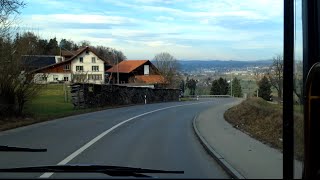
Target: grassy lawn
{"type": "Point", "coordinates": [50, 102]}
{"type": "Point", "coordinates": [263, 121]}
{"type": "Point", "coordinates": [187, 99]}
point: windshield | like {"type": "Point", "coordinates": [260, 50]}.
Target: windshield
{"type": "Point", "coordinates": [194, 89]}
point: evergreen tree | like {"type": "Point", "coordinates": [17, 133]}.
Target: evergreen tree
{"type": "Point", "coordinates": [52, 47]}
{"type": "Point", "coordinates": [264, 90]}
{"type": "Point", "coordinates": [215, 88]}
{"type": "Point", "coordinates": [192, 84]}
{"type": "Point", "coordinates": [182, 86]}
{"type": "Point", "coordinates": [223, 86]}
{"type": "Point", "coordinates": [236, 88]}
{"type": "Point", "coordinates": [67, 44]}
{"type": "Point", "coordinates": [219, 87]}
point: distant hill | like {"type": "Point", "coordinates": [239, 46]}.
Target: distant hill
{"type": "Point", "coordinates": [194, 65]}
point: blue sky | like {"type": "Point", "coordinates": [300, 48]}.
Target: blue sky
{"type": "Point", "coordinates": [187, 29]}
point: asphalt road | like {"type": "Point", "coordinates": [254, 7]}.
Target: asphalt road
{"type": "Point", "coordinates": [156, 136]}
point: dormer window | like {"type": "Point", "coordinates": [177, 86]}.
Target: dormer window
{"type": "Point", "coordinates": [146, 69]}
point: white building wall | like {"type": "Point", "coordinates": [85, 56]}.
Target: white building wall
{"type": "Point", "coordinates": [87, 70]}
{"type": "Point", "coordinates": [87, 66]}
{"type": "Point", "coordinates": [51, 77]}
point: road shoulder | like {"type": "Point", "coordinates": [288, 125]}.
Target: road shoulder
{"type": "Point", "coordinates": [242, 155]}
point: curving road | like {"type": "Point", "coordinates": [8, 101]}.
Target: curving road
{"type": "Point", "coordinates": [157, 136]}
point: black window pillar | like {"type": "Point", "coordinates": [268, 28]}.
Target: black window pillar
{"type": "Point", "coordinates": [311, 55]}
{"type": "Point", "coordinates": [288, 54]}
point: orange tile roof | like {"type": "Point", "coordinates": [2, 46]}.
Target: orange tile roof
{"type": "Point", "coordinates": [127, 66]}
{"type": "Point", "coordinates": [150, 79]}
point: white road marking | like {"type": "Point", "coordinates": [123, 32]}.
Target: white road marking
{"type": "Point", "coordinates": [94, 140]}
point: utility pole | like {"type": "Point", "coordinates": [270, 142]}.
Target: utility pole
{"type": "Point", "coordinates": [117, 67]}
{"type": "Point", "coordinates": [117, 71]}
{"type": "Point", "coordinates": [231, 84]}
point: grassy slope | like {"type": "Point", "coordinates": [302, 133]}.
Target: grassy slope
{"type": "Point", "coordinates": [49, 104]}
{"type": "Point", "coordinates": [263, 121]}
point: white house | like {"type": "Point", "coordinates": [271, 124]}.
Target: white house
{"type": "Point", "coordinates": [84, 66]}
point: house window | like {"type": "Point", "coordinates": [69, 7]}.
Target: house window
{"type": "Point", "coordinates": [81, 59]}
{"type": "Point", "coordinates": [146, 69]}
{"type": "Point", "coordinates": [79, 68]}
{"type": "Point", "coordinates": [66, 78]}
{"type": "Point", "coordinates": [95, 77]}
{"type": "Point", "coordinates": [44, 78]}
{"type": "Point", "coordinates": [67, 67]}
{"type": "Point", "coordinates": [55, 77]}
{"type": "Point", "coordinates": [87, 52]}
{"type": "Point", "coordinates": [93, 59]}
{"type": "Point", "coordinates": [79, 77]}
{"type": "Point", "coordinates": [95, 68]}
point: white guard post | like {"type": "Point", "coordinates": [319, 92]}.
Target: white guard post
{"type": "Point", "coordinates": [145, 99]}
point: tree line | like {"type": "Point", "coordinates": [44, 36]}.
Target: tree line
{"type": "Point", "coordinates": [17, 85]}
{"type": "Point", "coordinates": [218, 87]}
{"type": "Point", "coordinates": [265, 80]}
{"type": "Point", "coordinates": [40, 46]}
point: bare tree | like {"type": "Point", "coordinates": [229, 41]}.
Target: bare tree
{"type": "Point", "coordinates": [84, 43]}
{"type": "Point", "coordinates": [8, 11]}
{"type": "Point", "coordinates": [258, 75]}
{"type": "Point", "coordinates": [298, 81]}
{"type": "Point", "coordinates": [168, 67]}
{"type": "Point", "coordinates": [112, 55]}
{"type": "Point", "coordinates": [80, 77]}
{"type": "Point", "coordinates": [17, 84]}
{"type": "Point", "coordinates": [275, 74]}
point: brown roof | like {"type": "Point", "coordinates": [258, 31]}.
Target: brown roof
{"type": "Point", "coordinates": [150, 79]}
{"type": "Point", "coordinates": [127, 66]}
{"type": "Point", "coordinates": [68, 53]}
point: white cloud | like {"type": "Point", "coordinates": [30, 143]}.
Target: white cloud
{"type": "Point", "coordinates": [156, 1]}
{"type": "Point", "coordinates": [129, 33]}
{"type": "Point", "coordinates": [263, 8]}
{"type": "Point", "coordinates": [254, 45]}
{"type": "Point", "coordinates": [146, 26]}
{"type": "Point", "coordinates": [204, 21]}
{"type": "Point", "coordinates": [164, 18]}
{"type": "Point", "coordinates": [247, 9]}
{"type": "Point", "coordinates": [81, 18]}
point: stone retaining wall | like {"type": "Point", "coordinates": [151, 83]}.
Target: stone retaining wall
{"type": "Point", "coordinates": [95, 95]}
